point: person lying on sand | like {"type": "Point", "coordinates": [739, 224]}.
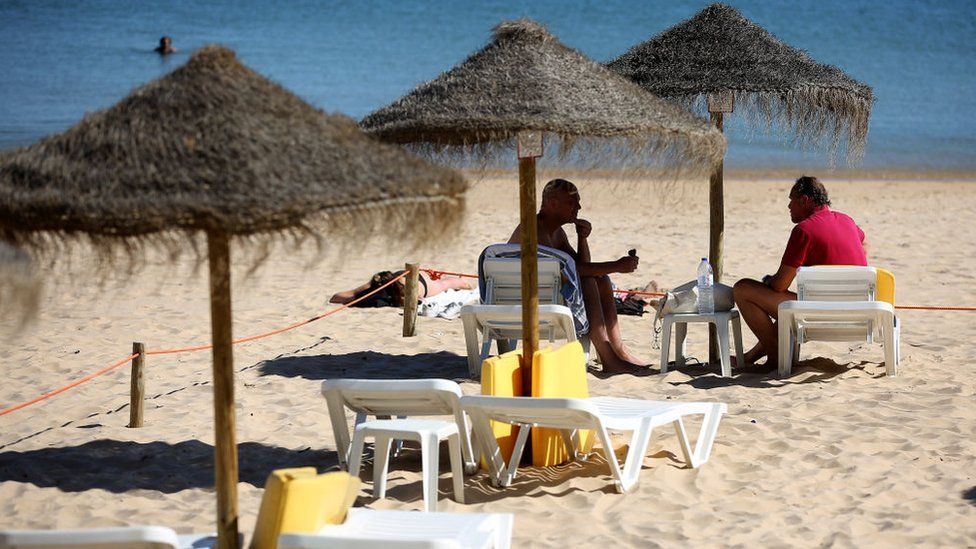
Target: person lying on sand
{"type": "Point", "coordinates": [821, 237]}
{"type": "Point", "coordinates": [392, 295]}
{"type": "Point", "coordinates": [561, 206]}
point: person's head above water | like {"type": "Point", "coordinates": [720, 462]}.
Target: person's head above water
{"type": "Point", "coordinates": [165, 46]}
{"type": "Point", "coordinates": [561, 200]}
{"type": "Point", "coordinates": [807, 196]}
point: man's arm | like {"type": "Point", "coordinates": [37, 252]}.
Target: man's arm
{"type": "Point", "coordinates": [781, 281]}
{"type": "Point", "coordinates": [585, 267]}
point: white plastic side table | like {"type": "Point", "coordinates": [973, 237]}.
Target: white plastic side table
{"type": "Point", "coordinates": [721, 321]}
{"type": "Point", "coordinates": [429, 433]}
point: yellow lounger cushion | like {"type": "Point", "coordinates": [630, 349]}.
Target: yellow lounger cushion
{"type": "Point", "coordinates": [300, 501]}
{"type": "Point", "coordinates": [502, 376]}
{"type": "Point", "coordinates": [559, 372]}
{"type": "Point", "coordinates": [885, 286]}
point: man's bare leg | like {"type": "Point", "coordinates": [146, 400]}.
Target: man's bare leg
{"type": "Point", "coordinates": [610, 319]}
{"type": "Point", "coordinates": [599, 336]}
{"type": "Point", "coordinates": [759, 305]}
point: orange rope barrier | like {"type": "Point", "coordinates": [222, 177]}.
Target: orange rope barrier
{"type": "Point", "coordinates": [434, 275]}
{"type": "Point", "coordinates": [933, 308]}
{"type": "Point", "coordinates": [66, 387]}
{"type": "Point", "coordinates": [194, 348]}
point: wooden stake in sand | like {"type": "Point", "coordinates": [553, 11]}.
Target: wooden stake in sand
{"type": "Point", "coordinates": [410, 300]}
{"type": "Point", "coordinates": [529, 148]}
{"type": "Point", "coordinates": [137, 388]}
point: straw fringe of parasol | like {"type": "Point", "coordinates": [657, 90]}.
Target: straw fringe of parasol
{"type": "Point", "coordinates": [216, 146]}
{"type": "Point", "coordinates": [20, 286]}
{"type": "Point", "coordinates": [718, 50]}
{"type": "Point", "coordinates": [525, 79]}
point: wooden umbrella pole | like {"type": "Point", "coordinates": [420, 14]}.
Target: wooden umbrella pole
{"type": "Point", "coordinates": [225, 447]}
{"type": "Point", "coordinates": [530, 270]}
{"type": "Point", "coordinates": [716, 231]}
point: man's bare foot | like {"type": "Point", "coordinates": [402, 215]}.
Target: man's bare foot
{"type": "Point", "coordinates": [764, 368]}
{"type": "Point", "coordinates": [626, 368]}
{"type": "Point", "coordinates": [750, 357]}
{"type": "Point", "coordinates": [627, 357]}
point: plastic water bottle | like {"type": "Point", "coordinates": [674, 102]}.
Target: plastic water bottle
{"type": "Point", "coordinates": [706, 299]}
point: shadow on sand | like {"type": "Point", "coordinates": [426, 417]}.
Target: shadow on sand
{"type": "Point", "coordinates": [120, 466]}
{"type": "Point", "coordinates": [370, 365]}
{"type": "Point", "coordinates": [819, 370]}
{"type": "Point", "coordinates": [970, 495]}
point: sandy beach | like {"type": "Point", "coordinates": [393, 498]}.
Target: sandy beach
{"type": "Point", "coordinates": [839, 454]}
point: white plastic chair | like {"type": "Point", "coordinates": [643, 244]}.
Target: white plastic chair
{"type": "Point", "coordinates": [373, 529]}
{"type": "Point", "coordinates": [128, 537]}
{"type": "Point", "coordinates": [600, 414]}
{"type": "Point", "coordinates": [429, 434]}
{"type": "Point", "coordinates": [499, 319]}
{"type": "Point", "coordinates": [385, 398]}
{"type": "Point", "coordinates": [837, 304]}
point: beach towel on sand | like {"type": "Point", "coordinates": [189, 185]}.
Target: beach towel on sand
{"type": "Point", "coordinates": [447, 304]}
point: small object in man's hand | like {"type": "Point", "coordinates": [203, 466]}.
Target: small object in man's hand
{"type": "Point", "coordinates": [632, 252]}
{"type": "Point", "coordinates": [766, 279]}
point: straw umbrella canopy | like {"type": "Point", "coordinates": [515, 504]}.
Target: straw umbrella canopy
{"type": "Point", "coordinates": [19, 284]}
{"type": "Point", "coordinates": [524, 83]}
{"type": "Point", "coordinates": [216, 148]}
{"type": "Point", "coordinates": [720, 56]}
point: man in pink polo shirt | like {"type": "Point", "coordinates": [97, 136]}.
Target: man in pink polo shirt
{"type": "Point", "coordinates": [821, 237]}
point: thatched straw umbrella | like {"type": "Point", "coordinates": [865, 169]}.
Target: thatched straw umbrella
{"type": "Point", "coordinates": [215, 148]}
{"type": "Point", "coordinates": [524, 84]}
{"type": "Point", "coordinates": [19, 284]}
{"type": "Point", "coordinates": [721, 56]}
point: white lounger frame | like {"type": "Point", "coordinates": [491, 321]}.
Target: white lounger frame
{"type": "Point", "coordinates": [124, 537]}
{"type": "Point", "coordinates": [837, 304]}
{"type": "Point", "coordinates": [385, 398]}
{"type": "Point", "coordinates": [376, 529]}
{"type": "Point", "coordinates": [601, 414]}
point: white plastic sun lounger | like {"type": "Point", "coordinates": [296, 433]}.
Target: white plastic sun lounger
{"type": "Point", "coordinates": [386, 398]}
{"type": "Point", "coordinates": [837, 304]}
{"type": "Point", "coordinates": [602, 414]}
{"type": "Point", "coordinates": [376, 529]}
{"type": "Point", "coordinates": [129, 537]}
{"type": "Point", "coordinates": [499, 318]}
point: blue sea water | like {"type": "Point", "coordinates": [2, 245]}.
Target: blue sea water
{"type": "Point", "coordinates": [61, 59]}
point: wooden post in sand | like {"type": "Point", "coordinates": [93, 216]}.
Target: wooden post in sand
{"type": "Point", "coordinates": [137, 387]}
{"type": "Point", "coordinates": [225, 446]}
{"type": "Point", "coordinates": [718, 103]}
{"type": "Point", "coordinates": [410, 300]}
{"type": "Point", "coordinates": [529, 148]}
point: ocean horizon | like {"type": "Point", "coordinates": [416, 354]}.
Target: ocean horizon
{"type": "Point", "coordinates": [64, 59]}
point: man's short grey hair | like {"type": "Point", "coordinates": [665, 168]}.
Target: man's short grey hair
{"type": "Point", "coordinates": [557, 185]}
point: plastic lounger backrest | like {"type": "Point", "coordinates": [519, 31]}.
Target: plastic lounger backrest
{"type": "Point", "coordinates": [396, 397]}
{"type": "Point", "coordinates": [885, 283]}
{"type": "Point", "coordinates": [836, 283]}
{"type": "Point", "coordinates": [503, 275]}
{"type": "Point", "coordinates": [132, 537]}
{"type": "Point", "coordinates": [300, 501]}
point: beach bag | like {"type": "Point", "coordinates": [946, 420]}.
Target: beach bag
{"type": "Point", "coordinates": [630, 305]}
{"type": "Point", "coordinates": [684, 299]}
